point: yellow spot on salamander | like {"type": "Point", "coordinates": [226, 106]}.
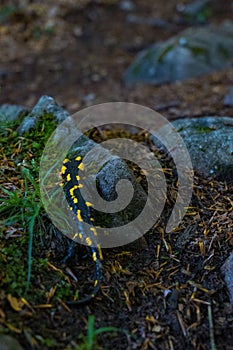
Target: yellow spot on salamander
{"type": "Point", "coordinates": [88, 241]}
{"type": "Point", "coordinates": [75, 236]}
{"type": "Point", "coordinates": [61, 184]}
{"type": "Point", "coordinates": [96, 283]}
{"type": "Point", "coordinates": [73, 189]}
{"type": "Point", "coordinates": [77, 177]}
{"type": "Point", "coordinates": [66, 160]}
{"type": "Point", "coordinates": [63, 169]}
{"type": "Point", "coordinates": [81, 166]}
{"type": "Point", "coordinates": [79, 216]}
{"type": "Point", "coordinates": [94, 256]}
{"type": "Point", "coordinates": [100, 251]}
{"type": "Point", "coordinates": [78, 158]}
{"type": "Point", "coordinates": [88, 204]}
{"type": "Point", "coordinates": [79, 186]}
{"type": "Point", "coordinates": [92, 219]}
{"type": "Point", "coordinates": [71, 208]}
{"type": "Point", "coordinates": [93, 230]}
{"type": "Point", "coordinates": [75, 200]}
{"type": "Point", "coordinates": [68, 177]}
{"type": "Point", "coordinates": [80, 235]}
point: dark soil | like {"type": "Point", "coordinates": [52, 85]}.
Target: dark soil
{"type": "Point", "coordinates": [166, 289]}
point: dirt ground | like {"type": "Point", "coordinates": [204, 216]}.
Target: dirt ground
{"type": "Point", "coordinates": [167, 289]}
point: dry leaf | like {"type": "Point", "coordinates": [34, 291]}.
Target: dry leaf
{"type": "Point", "coordinates": [15, 303]}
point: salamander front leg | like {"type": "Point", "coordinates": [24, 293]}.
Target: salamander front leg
{"type": "Point", "coordinates": [70, 252]}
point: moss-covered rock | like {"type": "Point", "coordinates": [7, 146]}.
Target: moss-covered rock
{"type": "Point", "coordinates": [191, 53]}
{"type": "Point", "coordinates": [45, 105]}
{"type": "Point", "coordinates": [210, 144]}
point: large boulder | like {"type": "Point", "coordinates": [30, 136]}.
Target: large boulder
{"type": "Point", "coordinates": [191, 53]}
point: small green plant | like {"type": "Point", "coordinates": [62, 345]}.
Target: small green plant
{"type": "Point", "coordinates": [89, 342]}
{"type": "Point", "coordinates": [38, 32]}
{"type": "Point", "coordinates": [48, 342]}
{"type": "Point", "coordinates": [203, 129]}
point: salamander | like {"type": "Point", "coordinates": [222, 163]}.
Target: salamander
{"type": "Point", "coordinates": [81, 208]}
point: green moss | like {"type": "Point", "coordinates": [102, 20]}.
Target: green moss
{"type": "Point", "coordinates": [198, 51]}
{"type": "Point", "coordinates": [136, 70]}
{"type": "Point", "coordinates": [13, 268]}
{"type": "Point", "coordinates": [201, 16]}
{"type": "Point", "coordinates": [22, 209]}
{"type": "Point", "coordinates": [203, 128]}
{"type": "Point", "coordinates": [164, 53]}
{"type": "Point", "coordinates": [225, 52]}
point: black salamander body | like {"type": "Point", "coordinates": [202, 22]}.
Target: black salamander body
{"type": "Point", "coordinates": [81, 208]}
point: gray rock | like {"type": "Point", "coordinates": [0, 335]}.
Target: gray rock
{"type": "Point", "coordinates": [227, 271]}
{"type": "Point", "coordinates": [45, 105]}
{"type": "Point", "coordinates": [209, 141]}
{"type": "Point", "coordinates": [193, 52]}
{"type": "Point", "coordinates": [11, 113]}
{"type": "Point", "coordinates": [9, 343]}
{"type": "Point", "coordinates": [126, 5]}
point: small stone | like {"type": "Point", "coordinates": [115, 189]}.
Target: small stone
{"type": "Point", "coordinates": [11, 113]}
{"type": "Point", "coordinates": [157, 329]}
{"type": "Point", "coordinates": [3, 74]}
{"type": "Point", "coordinates": [78, 31]}
{"type": "Point", "coordinates": [9, 343]}
{"type": "Point", "coordinates": [126, 5]}
{"type": "Point", "coordinates": [228, 99]}
{"type": "Point", "coordinates": [227, 271]}
{"type": "Point", "coordinates": [89, 97]}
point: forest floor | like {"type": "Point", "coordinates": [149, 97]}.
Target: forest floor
{"type": "Point", "coordinates": [165, 291]}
